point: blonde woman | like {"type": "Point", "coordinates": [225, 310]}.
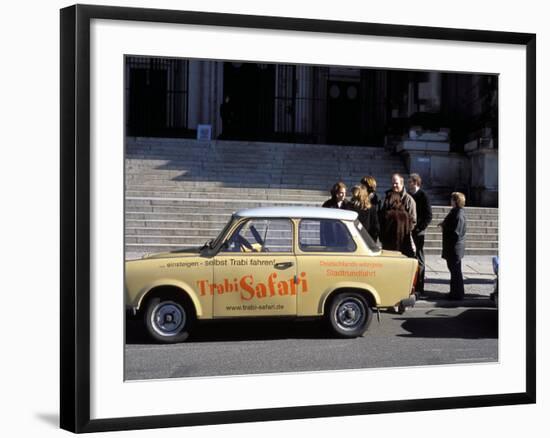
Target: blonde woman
{"type": "Point", "coordinates": [369, 182]}
{"type": "Point", "coordinates": [368, 216]}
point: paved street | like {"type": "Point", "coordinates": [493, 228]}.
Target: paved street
{"type": "Point", "coordinates": [478, 281]}
{"type": "Point", "coordinates": [435, 332]}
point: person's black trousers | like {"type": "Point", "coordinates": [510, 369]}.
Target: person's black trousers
{"type": "Point", "coordinates": [419, 243]}
{"type": "Point", "coordinates": [457, 282]}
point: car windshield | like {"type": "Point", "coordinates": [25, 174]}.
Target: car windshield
{"type": "Point", "coordinates": [373, 246]}
{"type": "Point", "coordinates": [217, 241]}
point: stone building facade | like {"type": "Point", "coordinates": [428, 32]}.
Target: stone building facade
{"type": "Point", "coordinates": [444, 125]}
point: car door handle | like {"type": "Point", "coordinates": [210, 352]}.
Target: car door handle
{"type": "Point", "coordinates": [284, 265]}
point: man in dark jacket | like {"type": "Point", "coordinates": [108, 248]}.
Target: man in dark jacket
{"type": "Point", "coordinates": [423, 219]}
{"type": "Point", "coordinates": [454, 239]}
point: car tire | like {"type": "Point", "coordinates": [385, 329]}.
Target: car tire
{"type": "Point", "coordinates": [168, 321]}
{"type": "Point", "coordinates": [349, 315]}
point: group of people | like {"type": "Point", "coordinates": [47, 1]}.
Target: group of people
{"type": "Point", "coordinates": [399, 222]}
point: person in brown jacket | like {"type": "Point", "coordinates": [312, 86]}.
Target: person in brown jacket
{"type": "Point", "coordinates": [407, 203]}
{"type": "Point", "coordinates": [396, 226]}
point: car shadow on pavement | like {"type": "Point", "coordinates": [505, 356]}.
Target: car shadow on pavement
{"type": "Point", "coordinates": [469, 324]}
{"type": "Point", "coordinates": [257, 330]}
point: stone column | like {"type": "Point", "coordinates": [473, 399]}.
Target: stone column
{"type": "Point", "coordinates": [429, 93]}
{"type": "Point", "coordinates": [484, 177]}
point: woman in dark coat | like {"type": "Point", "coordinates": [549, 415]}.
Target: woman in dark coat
{"type": "Point", "coordinates": [454, 239]}
{"type": "Point", "coordinates": [396, 227]}
{"type": "Point", "coordinates": [367, 214]}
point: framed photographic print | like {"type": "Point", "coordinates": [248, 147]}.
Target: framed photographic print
{"type": "Point", "coordinates": [200, 282]}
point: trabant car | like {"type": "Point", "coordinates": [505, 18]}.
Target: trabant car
{"type": "Point", "coordinates": [272, 262]}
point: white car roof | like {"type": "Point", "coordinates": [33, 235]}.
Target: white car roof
{"type": "Point", "coordinates": [298, 212]}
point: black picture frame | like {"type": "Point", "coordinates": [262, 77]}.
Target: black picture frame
{"type": "Point", "coordinates": [76, 210]}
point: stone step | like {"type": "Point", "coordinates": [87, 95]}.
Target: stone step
{"type": "Point", "coordinates": [320, 181]}
{"type": "Point", "coordinates": [188, 230]}
{"type": "Point", "coordinates": [174, 191]}
{"type": "Point", "coordinates": [220, 187]}
{"type": "Point", "coordinates": [306, 164]}
{"type": "Point", "coordinates": [159, 204]}
{"type": "Point", "coordinates": [235, 204]}
{"type": "Point", "coordinates": [474, 244]}
{"type": "Point", "coordinates": [188, 146]}
{"type": "Point", "coordinates": [468, 251]}
{"type": "Point", "coordinates": [480, 210]}
{"type": "Point", "coordinates": [180, 224]}
{"type": "Point", "coordinates": [240, 160]}
{"type": "Point", "coordinates": [183, 240]}
{"type": "Point", "coordinates": [185, 195]}
{"type": "Point", "coordinates": [382, 175]}
{"type": "Point", "coordinates": [382, 169]}
{"type": "Point", "coordinates": [438, 217]}
{"type": "Point", "coordinates": [181, 211]}
{"type": "Point", "coordinates": [490, 223]}
{"type": "Point", "coordinates": [195, 219]}
{"type": "Point", "coordinates": [470, 237]}
{"type": "Point", "coordinates": [492, 231]}
{"type": "Point", "coordinates": [268, 160]}
{"type": "Point", "coordinates": [184, 186]}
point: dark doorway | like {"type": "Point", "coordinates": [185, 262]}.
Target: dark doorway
{"type": "Point", "coordinates": [251, 91]}
{"type": "Point", "coordinates": [147, 102]}
{"type": "Point", "coordinates": [157, 97]}
{"type": "Point", "coordinates": [344, 113]}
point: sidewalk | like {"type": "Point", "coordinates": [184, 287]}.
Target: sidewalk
{"type": "Point", "coordinates": [478, 282]}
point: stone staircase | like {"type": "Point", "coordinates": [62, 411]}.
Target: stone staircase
{"type": "Point", "coordinates": [481, 235]}
{"type": "Point", "coordinates": [182, 192]}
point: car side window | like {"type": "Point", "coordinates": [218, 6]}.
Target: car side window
{"type": "Point", "coordinates": [261, 235]}
{"type": "Point", "coordinates": [325, 235]}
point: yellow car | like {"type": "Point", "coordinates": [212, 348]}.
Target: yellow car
{"type": "Point", "coordinates": [272, 262]}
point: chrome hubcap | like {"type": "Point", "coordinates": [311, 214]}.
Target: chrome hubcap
{"type": "Point", "coordinates": [168, 318]}
{"type": "Point", "coordinates": [350, 313]}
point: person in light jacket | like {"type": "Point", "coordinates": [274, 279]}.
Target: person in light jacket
{"type": "Point", "coordinates": [453, 228]}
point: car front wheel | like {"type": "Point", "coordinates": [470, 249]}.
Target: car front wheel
{"type": "Point", "coordinates": [168, 321]}
{"type": "Point", "coordinates": [349, 315]}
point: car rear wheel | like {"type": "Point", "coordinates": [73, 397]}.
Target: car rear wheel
{"type": "Point", "coordinates": [349, 315]}
{"type": "Point", "coordinates": [168, 321]}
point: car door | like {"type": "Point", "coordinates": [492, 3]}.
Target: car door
{"type": "Point", "coordinates": [325, 247]}
{"type": "Point", "coordinates": [255, 271]}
